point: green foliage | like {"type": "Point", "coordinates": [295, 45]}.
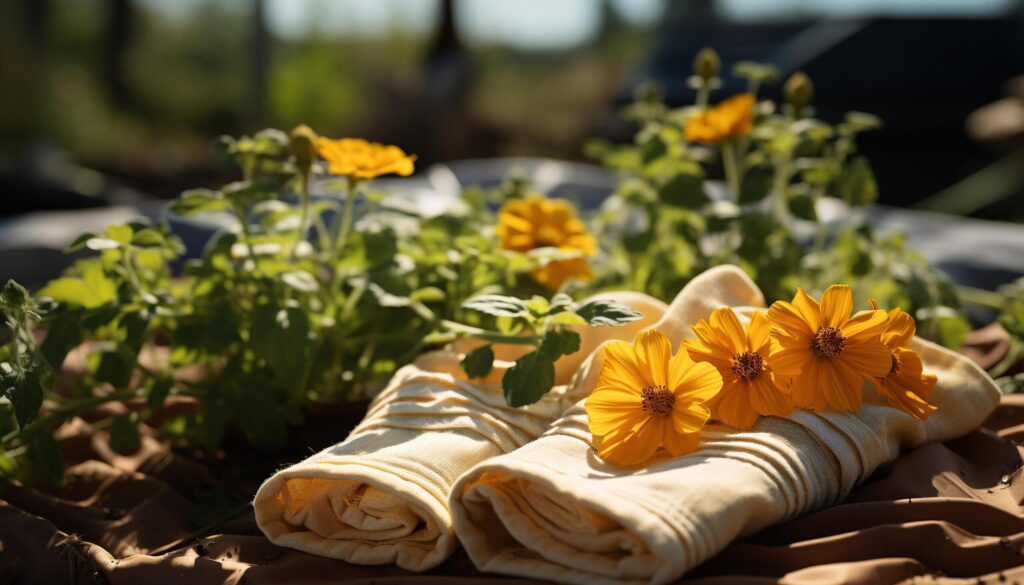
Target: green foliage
{"type": "Point", "coordinates": [538, 322]}
{"type": "Point", "coordinates": [665, 223]}
{"type": "Point", "coordinates": [268, 319]}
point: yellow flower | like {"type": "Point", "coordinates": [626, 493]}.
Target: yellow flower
{"type": "Point", "coordinates": [749, 387]}
{"type": "Point", "coordinates": [358, 159]}
{"type": "Point", "coordinates": [647, 398]}
{"type": "Point", "coordinates": [905, 385]}
{"type": "Point", "coordinates": [826, 353]}
{"type": "Point", "coordinates": [538, 222]}
{"type": "Point", "coordinates": [731, 118]}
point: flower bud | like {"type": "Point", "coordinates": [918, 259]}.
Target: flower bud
{"type": "Point", "coordinates": [798, 90]}
{"type": "Point", "coordinates": [706, 64]}
{"type": "Point", "coordinates": [303, 145]}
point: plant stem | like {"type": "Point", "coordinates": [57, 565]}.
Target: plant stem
{"type": "Point", "coordinates": [69, 409]}
{"type": "Point", "coordinates": [344, 225]}
{"type": "Point", "coordinates": [732, 173]}
{"type": "Point", "coordinates": [703, 93]}
{"type": "Point", "coordinates": [303, 214]}
{"type": "Point", "coordinates": [981, 297]}
{"type": "Point", "coordinates": [492, 336]}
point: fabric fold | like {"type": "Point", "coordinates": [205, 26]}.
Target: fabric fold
{"type": "Point", "coordinates": [381, 496]}
{"type": "Point", "coordinates": [554, 510]}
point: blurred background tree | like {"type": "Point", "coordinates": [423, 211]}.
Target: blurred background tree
{"type": "Point", "coordinates": [134, 89]}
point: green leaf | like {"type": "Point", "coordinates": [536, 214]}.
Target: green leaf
{"type": "Point", "coordinates": [111, 367]}
{"type": "Point", "coordinates": [24, 390]}
{"type": "Point", "coordinates": [756, 185]}
{"type": "Point", "coordinates": [121, 234]}
{"type": "Point", "coordinates": [497, 305]}
{"type": "Point", "coordinates": [159, 390]}
{"type": "Point", "coordinates": [100, 244]}
{"type": "Point", "coordinates": [197, 201]}
{"type": "Point", "coordinates": [92, 290]}
{"type": "Point", "coordinates": [379, 245]}
{"type": "Point", "coordinates": [801, 205]}
{"type": "Point", "coordinates": [203, 336]}
{"type": "Point", "coordinates": [64, 334]}
{"type": "Point", "coordinates": [281, 336]}
{"type": "Point", "coordinates": [14, 296]}
{"type": "Point", "coordinates": [8, 467]}
{"type": "Point", "coordinates": [212, 421]}
{"type": "Point", "coordinates": [80, 242]}
{"type": "Point", "coordinates": [653, 149]}
{"type": "Point", "coordinates": [538, 306]}
{"type": "Point", "coordinates": [45, 460]}
{"type": "Point", "coordinates": [606, 312]}
{"type": "Point", "coordinates": [124, 435]}
{"type": "Point", "coordinates": [260, 419]}
{"type": "Point", "coordinates": [856, 184]}
{"type": "Point", "coordinates": [149, 238]}
{"type": "Point", "coordinates": [952, 331]}
{"type": "Point", "coordinates": [479, 362]}
{"type": "Point", "coordinates": [567, 318]}
{"type": "Point", "coordinates": [386, 299]}
{"type": "Point", "coordinates": [301, 281]}
{"type": "Point", "coordinates": [561, 303]}
{"type": "Point", "coordinates": [428, 294]}
{"type": "Point", "coordinates": [134, 325]}
{"type": "Point", "coordinates": [761, 73]}
{"type": "Point", "coordinates": [528, 380]}
{"type": "Point", "coordinates": [684, 190]}
{"type": "Point", "coordinates": [558, 343]}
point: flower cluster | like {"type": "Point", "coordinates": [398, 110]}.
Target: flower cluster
{"type": "Point", "coordinates": [801, 354]}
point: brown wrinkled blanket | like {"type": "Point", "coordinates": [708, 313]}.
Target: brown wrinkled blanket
{"type": "Point", "coordinates": [943, 513]}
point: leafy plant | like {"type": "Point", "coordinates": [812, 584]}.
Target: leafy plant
{"type": "Point", "coordinates": [669, 220]}
{"type": "Point", "coordinates": [540, 323]}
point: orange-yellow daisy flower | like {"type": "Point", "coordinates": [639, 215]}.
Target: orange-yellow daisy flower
{"type": "Point", "coordinates": [905, 385]}
{"type": "Point", "coordinates": [647, 398]}
{"type": "Point", "coordinates": [827, 354]}
{"type": "Point", "coordinates": [358, 159]}
{"type": "Point", "coordinates": [539, 222]}
{"type": "Point", "coordinates": [749, 386]}
{"type": "Point", "coordinates": [729, 119]}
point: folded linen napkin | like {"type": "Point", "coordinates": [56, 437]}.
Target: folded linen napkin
{"type": "Point", "coordinates": [381, 495]}
{"type": "Point", "coordinates": [554, 510]}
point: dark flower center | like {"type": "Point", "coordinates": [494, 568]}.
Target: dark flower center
{"type": "Point", "coordinates": [747, 365]}
{"type": "Point", "coordinates": [828, 342]}
{"type": "Point", "coordinates": [895, 368]}
{"type": "Point", "coordinates": [657, 400]}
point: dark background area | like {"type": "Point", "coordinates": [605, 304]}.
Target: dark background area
{"type": "Point", "coordinates": [106, 101]}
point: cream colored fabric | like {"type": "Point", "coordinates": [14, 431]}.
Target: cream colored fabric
{"type": "Point", "coordinates": [381, 496]}
{"type": "Point", "coordinates": [553, 510]}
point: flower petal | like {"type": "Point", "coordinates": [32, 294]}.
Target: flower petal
{"type": "Point", "coordinates": [694, 381]}
{"type": "Point", "coordinates": [689, 416]}
{"type": "Point", "coordinates": [788, 321]}
{"type": "Point", "coordinates": [789, 361]}
{"type": "Point", "coordinates": [621, 366]}
{"type": "Point", "coordinates": [724, 320]}
{"type": "Point", "coordinates": [866, 357]}
{"type": "Point", "coordinates": [732, 406]}
{"type": "Point", "coordinates": [866, 324]}
{"type": "Point", "coordinates": [635, 446]}
{"type": "Point", "coordinates": [836, 305]}
{"type": "Point", "coordinates": [767, 398]}
{"type": "Point", "coordinates": [653, 352]}
{"type": "Point", "coordinates": [678, 444]}
{"type": "Point", "coordinates": [900, 331]}
{"type": "Point", "coordinates": [808, 308]}
{"type": "Point", "coordinates": [759, 333]}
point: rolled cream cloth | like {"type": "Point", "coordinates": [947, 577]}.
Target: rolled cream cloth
{"type": "Point", "coordinates": [381, 495]}
{"type": "Point", "coordinates": [554, 510]}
